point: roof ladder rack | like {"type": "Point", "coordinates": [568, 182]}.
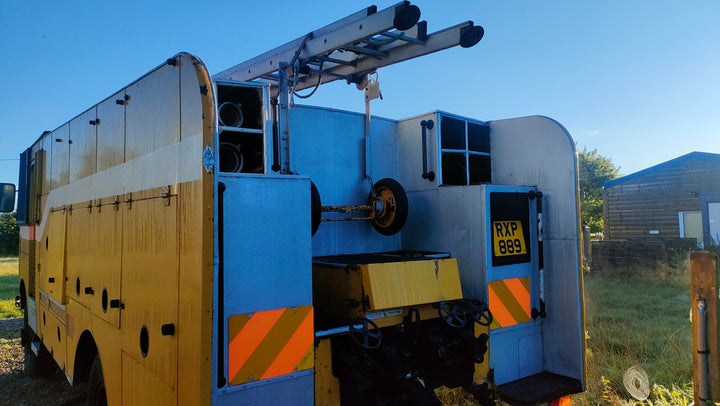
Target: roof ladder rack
{"type": "Point", "coordinates": [350, 49]}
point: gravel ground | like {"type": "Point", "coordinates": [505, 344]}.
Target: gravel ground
{"type": "Point", "coordinates": [18, 389]}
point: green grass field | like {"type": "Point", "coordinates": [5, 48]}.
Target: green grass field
{"type": "Point", "coordinates": [633, 320]}
{"type": "Point", "coordinates": [8, 288]}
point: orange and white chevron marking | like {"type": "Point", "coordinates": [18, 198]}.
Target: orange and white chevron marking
{"type": "Point", "coordinates": [270, 343]}
{"type": "Point", "coordinates": [509, 301]}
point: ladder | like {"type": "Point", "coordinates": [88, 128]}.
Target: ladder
{"type": "Point", "coordinates": [349, 49]}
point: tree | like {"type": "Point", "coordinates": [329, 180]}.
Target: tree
{"type": "Point", "coordinates": [9, 235]}
{"type": "Point", "coordinates": [595, 170]}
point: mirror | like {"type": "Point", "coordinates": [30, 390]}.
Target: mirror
{"type": "Point", "coordinates": [7, 197]}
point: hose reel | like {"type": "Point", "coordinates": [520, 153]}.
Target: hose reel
{"type": "Point", "coordinates": [386, 208]}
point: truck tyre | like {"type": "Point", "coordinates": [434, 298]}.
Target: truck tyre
{"type": "Point", "coordinates": [37, 366]}
{"type": "Point", "coordinates": [96, 385]}
{"type": "Point", "coordinates": [30, 364]}
{"type": "Point", "coordinates": [395, 207]}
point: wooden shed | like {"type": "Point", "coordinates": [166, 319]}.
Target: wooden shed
{"type": "Point", "coordinates": [663, 201]}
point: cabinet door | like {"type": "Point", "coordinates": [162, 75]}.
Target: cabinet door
{"type": "Point", "coordinates": [150, 285]}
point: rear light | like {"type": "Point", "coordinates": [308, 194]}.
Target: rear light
{"type": "Point", "coordinates": [563, 401]}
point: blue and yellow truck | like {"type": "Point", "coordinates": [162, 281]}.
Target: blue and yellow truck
{"type": "Point", "coordinates": [201, 239]}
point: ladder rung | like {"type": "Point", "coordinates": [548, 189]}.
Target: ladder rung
{"type": "Point", "coordinates": [335, 60]}
{"type": "Point", "coordinates": [402, 37]}
{"type": "Point", "coordinates": [367, 51]}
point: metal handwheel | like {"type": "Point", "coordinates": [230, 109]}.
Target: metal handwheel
{"type": "Point", "coordinates": [365, 333]}
{"type": "Point", "coordinates": [452, 314]}
{"type": "Point", "coordinates": [480, 312]}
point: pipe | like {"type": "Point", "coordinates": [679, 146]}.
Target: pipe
{"type": "Point", "coordinates": [230, 115]}
{"type": "Point", "coordinates": [701, 387]}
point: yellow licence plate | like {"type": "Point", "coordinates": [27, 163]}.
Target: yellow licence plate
{"type": "Point", "coordinates": [509, 238]}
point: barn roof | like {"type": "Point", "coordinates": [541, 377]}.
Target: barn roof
{"type": "Point", "coordinates": [647, 171]}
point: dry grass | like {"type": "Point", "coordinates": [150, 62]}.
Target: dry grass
{"type": "Point", "coordinates": [643, 321]}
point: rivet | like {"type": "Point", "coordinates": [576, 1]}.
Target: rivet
{"type": "Point", "coordinates": [294, 309]}
{"type": "Point", "coordinates": [250, 378]}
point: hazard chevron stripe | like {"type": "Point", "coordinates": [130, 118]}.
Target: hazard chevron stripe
{"type": "Point", "coordinates": [509, 301]}
{"type": "Point", "coordinates": [270, 343]}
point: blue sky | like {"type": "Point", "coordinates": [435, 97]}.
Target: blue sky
{"type": "Point", "coordinates": [638, 80]}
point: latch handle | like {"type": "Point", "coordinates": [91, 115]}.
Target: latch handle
{"type": "Point", "coordinates": [426, 125]}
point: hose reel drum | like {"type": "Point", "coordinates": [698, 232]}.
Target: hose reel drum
{"type": "Point", "coordinates": [386, 208]}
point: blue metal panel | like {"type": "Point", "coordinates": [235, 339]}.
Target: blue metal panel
{"type": "Point", "coordinates": [290, 390]}
{"type": "Point", "coordinates": [266, 265]}
{"type": "Point", "coordinates": [515, 351]}
{"type": "Point", "coordinates": [267, 260]}
{"type": "Point", "coordinates": [329, 146]}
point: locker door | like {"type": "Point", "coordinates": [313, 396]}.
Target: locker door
{"type": "Point", "coordinates": [513, 287]}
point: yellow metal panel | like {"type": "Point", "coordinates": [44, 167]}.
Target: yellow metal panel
{"type": "Point", "coordinates": [108, 343]}
{"type": "Point", "coordinates": [93, 257]}
{"type": "Point", "coordinates": [51, 258]}
{"type": "Point", "coordinates": [83, 146]}
{"type": "Point", "coordinates": [107, 260]}
{"type": "Point", "coordinates": [399, 284]}
{"type": "Point", "coordinates": [153, 112]}
{"type": "Point", "coordinates": [53, 334]}
{"type": "Point", "coordinates": [140, 387]}
{"type": "Point", "coordinates": [36, 178]}
{"type": "Point", "coordinates": [337, 293]}
{"type": "Point", "coordinates": [111, 132]}
{"type": "Point", "coordinates": [327, 387]}
{"type": "Point", "coordinates": [26, 265]}
{"type": "Point", "coordinates": [80, 261]}
{"type": "Point", "coordinates": [195, 287]}
{"type": "Point", "coordinates": [482, 369]}
{"type": "Point", "coordinates": [150, 284]}
{"type": "Point", "coordinates": [60, 156]}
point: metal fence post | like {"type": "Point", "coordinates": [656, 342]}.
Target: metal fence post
{"type": "Point", "coordinates": [704, 286]}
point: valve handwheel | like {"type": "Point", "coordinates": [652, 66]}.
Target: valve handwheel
{"type": "Point", "coordinates": [480, 312]}
{"type": "Point", "coordinates": [452, 314]}
{"type": "Point", "coordinates": [365, 333]}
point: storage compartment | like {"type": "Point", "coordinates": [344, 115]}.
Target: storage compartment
{"type": "Point", "coordinates": [464, 151]}
{"type": "Point", "coordinates": [241, 128]}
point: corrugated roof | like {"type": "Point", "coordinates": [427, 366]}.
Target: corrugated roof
{"type": "Point", "coordinates": [666, 164]}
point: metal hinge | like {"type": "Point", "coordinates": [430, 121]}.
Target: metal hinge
{"type": "Point", "coordinates": [128, 200]}
{"type": "Point", "coordinates": [166, 196]}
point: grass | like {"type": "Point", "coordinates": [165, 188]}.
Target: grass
{"type": "Point", "coordinates": [9, 288]}
{"type": "Point", "coordinates": [632, 320]}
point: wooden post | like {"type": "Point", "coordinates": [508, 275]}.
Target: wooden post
{"type": "Point", "coordinates": [704, 286]}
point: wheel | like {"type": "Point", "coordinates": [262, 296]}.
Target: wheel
{"type": "Point", "coordinates": [315, 208]}
{"type": "Point", "coordinates": [96, 385]}
{"type": "Point", "coordinates": [480, 312]}
{"type": "Point", "coordinates": [365, 333]}
{"type": "Point", "coordinates": [452, 314]}
{"type": "Point", "coordinates": [392, 216]}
